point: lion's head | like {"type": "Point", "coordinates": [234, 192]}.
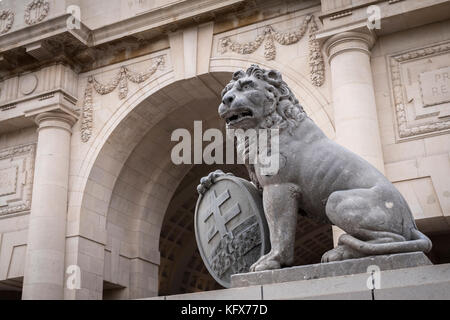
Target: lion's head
{"type": "Point", "coordinates": [259, 98]}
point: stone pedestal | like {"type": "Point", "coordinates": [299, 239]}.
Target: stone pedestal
{"type": "Point", "coordinates": [347, 280]}
{"type": "Point", "coordinates": [44, 265]}
{"type": "Point", "coordinates": [331, 269]}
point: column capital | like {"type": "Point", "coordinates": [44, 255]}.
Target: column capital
{"type": "Point", "coordinates": [55, 119]}
{"type": "Point", "coordinates": [349, 41]}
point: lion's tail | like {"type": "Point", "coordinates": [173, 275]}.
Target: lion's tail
{"type": "Point", "coordinates": [419, 242]}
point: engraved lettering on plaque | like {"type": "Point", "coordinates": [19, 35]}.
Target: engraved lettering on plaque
{"type": "Point", "coordinates": [435, 86]}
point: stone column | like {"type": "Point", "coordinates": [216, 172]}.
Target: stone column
{"type": "Point", "coordinates": [355, 111]}
{"type": "Point", "coordinates": [44, 264]}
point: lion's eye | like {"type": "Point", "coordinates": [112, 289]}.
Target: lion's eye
{"type": "Point", "coordinates": [246, 85]}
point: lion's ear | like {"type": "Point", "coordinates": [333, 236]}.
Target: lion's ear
{"type": "Point", "coordinates": [274, 75]}
{"type": "Point", "coordinates": [238, 74]}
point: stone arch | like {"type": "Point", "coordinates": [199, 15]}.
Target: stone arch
{"type": "Point", "coordinates": [125, 186]}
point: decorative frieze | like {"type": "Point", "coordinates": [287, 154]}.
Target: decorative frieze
{"type": "Point", "coordinates": [36, 11]}
{"type": "Point", "coordinates": [420, 85]}
{"type": "Point", "coordinates": [120, 80]}
{"type": "Point", "coordinates": [16, 178]}
{"type": "Point", "coordinates": [270, 35]}
{"type": "Point", "coordinates": [28, 85]}
{"type": "Point", "coordinates": [6, 20]}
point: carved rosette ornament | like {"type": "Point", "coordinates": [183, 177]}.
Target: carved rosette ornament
{"type": "Point", "coordinates": [120, 80]}
{"type": "Point", "coordinates": [6, 20]}
{"type": "Point", "coordinates": [36, 11]}
{"type": "Point", "coordinates": [270, 35]}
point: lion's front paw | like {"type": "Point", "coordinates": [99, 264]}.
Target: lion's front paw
{"type": "Point", "coordinates": [266, 262]}
{"type": "Point", "coordinates": [207, 182]}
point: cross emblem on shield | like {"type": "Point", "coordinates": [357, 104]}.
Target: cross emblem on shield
{"type": "Point", "coordinates": [220, 221]}
{"type": "Point", "coordinates": [230, 227]}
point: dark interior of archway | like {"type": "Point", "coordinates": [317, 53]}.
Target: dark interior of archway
{"type": "Point", "coordinates": [11, 289]}
{"type": "Point", "coordinates": [182, 269]}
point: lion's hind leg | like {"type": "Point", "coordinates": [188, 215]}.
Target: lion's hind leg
{"type": "Point", "coordinates": [360, 213]}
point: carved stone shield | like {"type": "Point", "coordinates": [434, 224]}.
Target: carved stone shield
{"type": "Point", "coordinates": [230, 228]}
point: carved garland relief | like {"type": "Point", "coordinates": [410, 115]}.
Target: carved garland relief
{"type": "Point", "coordinates": [270, 35]}
{"type": "Point", "coordinates": [6, 20]}
{"type": "Point", "coordinates": [421, 90]}
{"type": "Point", "coordinates": [119, 80]}
{"type": "Point", "coordinates": [16, 179]}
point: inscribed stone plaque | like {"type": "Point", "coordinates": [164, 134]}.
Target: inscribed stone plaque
{"type": "Point", "coordinates": [230, 228]}
{"type": "Point", "coordinates": [435, 86]}
{"type": "Point", "coordinates": [421, 90]}
{"type": "Point", "coordinates": [8, 180]}
{"type": "Point", "coordinates": [16, 179]}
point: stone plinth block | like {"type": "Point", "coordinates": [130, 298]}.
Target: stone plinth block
{"type": "Point", "coordinates": [331, 269]}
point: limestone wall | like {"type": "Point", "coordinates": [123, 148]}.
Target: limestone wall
{"type": "Point", "coordinates": [129, 101]}
{"type": "Point", "coordinates": [416, 143]}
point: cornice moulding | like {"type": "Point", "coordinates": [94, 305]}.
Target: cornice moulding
{"type": "Point", "coordinates": [160, 17]}
{"type": "Point", "coordinates": [394, 14]}
{"type": "Point", "coordinates": [56, 99]}
{"type": "Point", "coordinates": [345, 9]}
{"type": "Point", "coordinates": [39, 95]}
{"type": "Point", "coordinates": [41, 31]}
{"type": "Point", "coordinates": [84, 43]}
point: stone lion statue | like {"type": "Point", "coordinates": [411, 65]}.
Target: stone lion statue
{"type": "Point", "coordinates": [317, 178]}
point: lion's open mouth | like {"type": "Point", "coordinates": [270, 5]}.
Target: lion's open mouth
{"type": "Point", "coordinates": [238, 116]}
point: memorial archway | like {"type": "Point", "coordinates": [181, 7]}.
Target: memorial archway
{"type": "Point", "coordinates": [130, 161]}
